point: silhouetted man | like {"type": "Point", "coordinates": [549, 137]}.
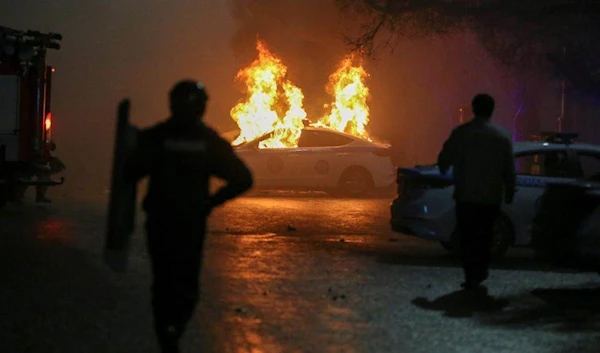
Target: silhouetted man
{"type": "Point", "coordinates": [482, 159]}
{"type": "Point", "coordinates": [180, 155]}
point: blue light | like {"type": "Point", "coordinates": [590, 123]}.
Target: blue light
{"type": "Point", "coordinates": [425, 209]}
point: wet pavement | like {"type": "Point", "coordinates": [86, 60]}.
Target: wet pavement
{"type": "Point", "coordinates": [283, 274]}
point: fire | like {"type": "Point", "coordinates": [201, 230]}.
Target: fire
{"type": "Point", "coordinates": [350, 112]}
{"type": "Point", "coordinates": [273, 103]}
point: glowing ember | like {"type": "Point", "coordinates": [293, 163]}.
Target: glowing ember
{"type": "Point", "coordinates": [273, 103]}
{"type": "Point", "coordinates": [350, 112]}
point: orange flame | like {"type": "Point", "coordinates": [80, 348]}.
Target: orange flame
{"type": "Point", "coordinates": [273, 103]}
{"type": "Point", "coordinates": [350, 112]}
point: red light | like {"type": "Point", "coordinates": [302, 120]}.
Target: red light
{"type": "Point", "coordinates": [48, 121]}
{"type": "Point", "coordinates": [53, 70]}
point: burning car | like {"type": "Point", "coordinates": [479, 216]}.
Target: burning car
{"type": "Point", "coordinates": [425, 208]}
{"type": "Point", "coordinates": [286, 151]}
{"type": "Point", "coordinates": [322, 159]}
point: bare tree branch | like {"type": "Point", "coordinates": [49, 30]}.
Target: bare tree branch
{"type": "Point", "coordinates": [522, 34]}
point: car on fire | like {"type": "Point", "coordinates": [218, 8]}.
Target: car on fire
{"type": "Point", "coordinates": [324, 159]}
{"type": "Point", "coordinates": [424, 206]}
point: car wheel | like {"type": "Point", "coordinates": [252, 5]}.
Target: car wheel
{"type": "Point", "coordinates": [356, 181]}
{"type": "Point", "coordinates": [502, 239]}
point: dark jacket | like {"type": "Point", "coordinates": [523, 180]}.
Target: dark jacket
{"type": "Point", "coordinates": [180, 160]}
{"type": "Point", "coordinates": [483, 163]}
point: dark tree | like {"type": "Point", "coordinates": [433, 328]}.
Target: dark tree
{"type": "Point", "coordinates": [560, 36]}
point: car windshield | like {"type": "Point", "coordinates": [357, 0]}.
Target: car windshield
{"type": "Point", "coordinates": [318, 138]}
{"type": "Point", "coordinates": [308, 138]}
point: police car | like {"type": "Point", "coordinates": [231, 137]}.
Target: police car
{"type": "Point", "coordinates": [325, 159]}
{"type": "Point", "coordinates": [424, 206]}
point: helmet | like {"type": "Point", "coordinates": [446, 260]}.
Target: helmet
{"type": "Point", "coordinates": [188, 96]}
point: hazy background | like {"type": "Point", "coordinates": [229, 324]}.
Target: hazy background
{"type": "Point", "coordinates": [115, 49]}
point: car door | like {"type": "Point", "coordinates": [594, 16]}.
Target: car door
{"type": "Point", "coordinates": [535, 169]}
{"type": "Point", "coordinates": [270, 166]}
{"type": "Point", "coordinates": [318, 158]}
{"type": "Point", "coordinates": [587, 164]}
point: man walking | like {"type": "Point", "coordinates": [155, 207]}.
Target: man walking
{"type": "Point", "coordinates": [180, 155]}
{"type": "Point", "coordinates": [482, 159]}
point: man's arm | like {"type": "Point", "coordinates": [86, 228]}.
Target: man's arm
{"type": "Point", "coordinates": [228, 166]}
{"type": "Point", "coordinates": [448, 153]}
{"type": "Point", "coordinates": [509, 174]}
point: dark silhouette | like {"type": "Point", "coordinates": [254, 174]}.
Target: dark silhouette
{"type": "Point", "coordinates": [180, 155]}
{"type": "Point", "coordinates": [482, 159]}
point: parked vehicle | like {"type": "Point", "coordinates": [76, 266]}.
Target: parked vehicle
{"type": "Point", "coordinates": [25, 109]}
{"type": "Point", "coordinates": [424, 206]}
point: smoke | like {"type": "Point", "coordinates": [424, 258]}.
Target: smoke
{"type": "Point", "coordinates": [416, 90]}
{"type": "Point", "coordinates": [118, 49]}
{"type": "Point", "coordinates": [306, 35]}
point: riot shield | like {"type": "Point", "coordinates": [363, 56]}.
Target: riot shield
{"type": "Point", "coordinates": [122, 202]}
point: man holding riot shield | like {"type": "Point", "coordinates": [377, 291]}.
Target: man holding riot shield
{"type": "Point", "coordinates": [179, 156]}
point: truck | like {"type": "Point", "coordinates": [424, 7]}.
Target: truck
{"type": "Point", "coordinates": [25, 109]}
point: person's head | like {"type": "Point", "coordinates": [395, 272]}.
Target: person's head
{"type": "Point", "coordinates": [483, 105]}
{"type": "Point", "coordinates": [188, 100]}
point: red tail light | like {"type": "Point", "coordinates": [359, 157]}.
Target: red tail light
{"type": "Point", "coordinates": [48, 121]}
{"type": "Point", "coordinates": [383, 152]}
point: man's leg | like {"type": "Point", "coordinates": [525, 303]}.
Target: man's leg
{"type": "Point", "coordinates": [162, 288]}
{"type": "Point", "coordinates": [176, 268]}
{"type": "Point", "coordinates": [487, 217]}
{"type": "Point", "coordinates": [187, 277]}
{"type": "Point", "coordinates": [483, 218]}
{"type": "Point", "coordinates": [466, 220]}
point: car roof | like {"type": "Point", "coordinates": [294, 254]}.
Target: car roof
{"type": "Point", "coordinates": [525, 146]}
{"type": "Point", "coordinates": [326, 129]}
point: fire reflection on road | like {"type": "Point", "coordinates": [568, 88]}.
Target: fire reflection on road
{"type": "Point", "coordinates": [255, 276]}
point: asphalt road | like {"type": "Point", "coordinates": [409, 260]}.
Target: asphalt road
{"type": "Point", "coordinates": [296, 273]}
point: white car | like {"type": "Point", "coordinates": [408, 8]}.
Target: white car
{"type": "Point", "coordinates": [424, 206]}
{"type": "Point", "coordinates": [325, 159]}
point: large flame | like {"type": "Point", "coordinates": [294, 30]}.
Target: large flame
{"type": "Point", "coordinates": [349, 112]}
{"type": "Point", "coordinates": [273, 103]}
